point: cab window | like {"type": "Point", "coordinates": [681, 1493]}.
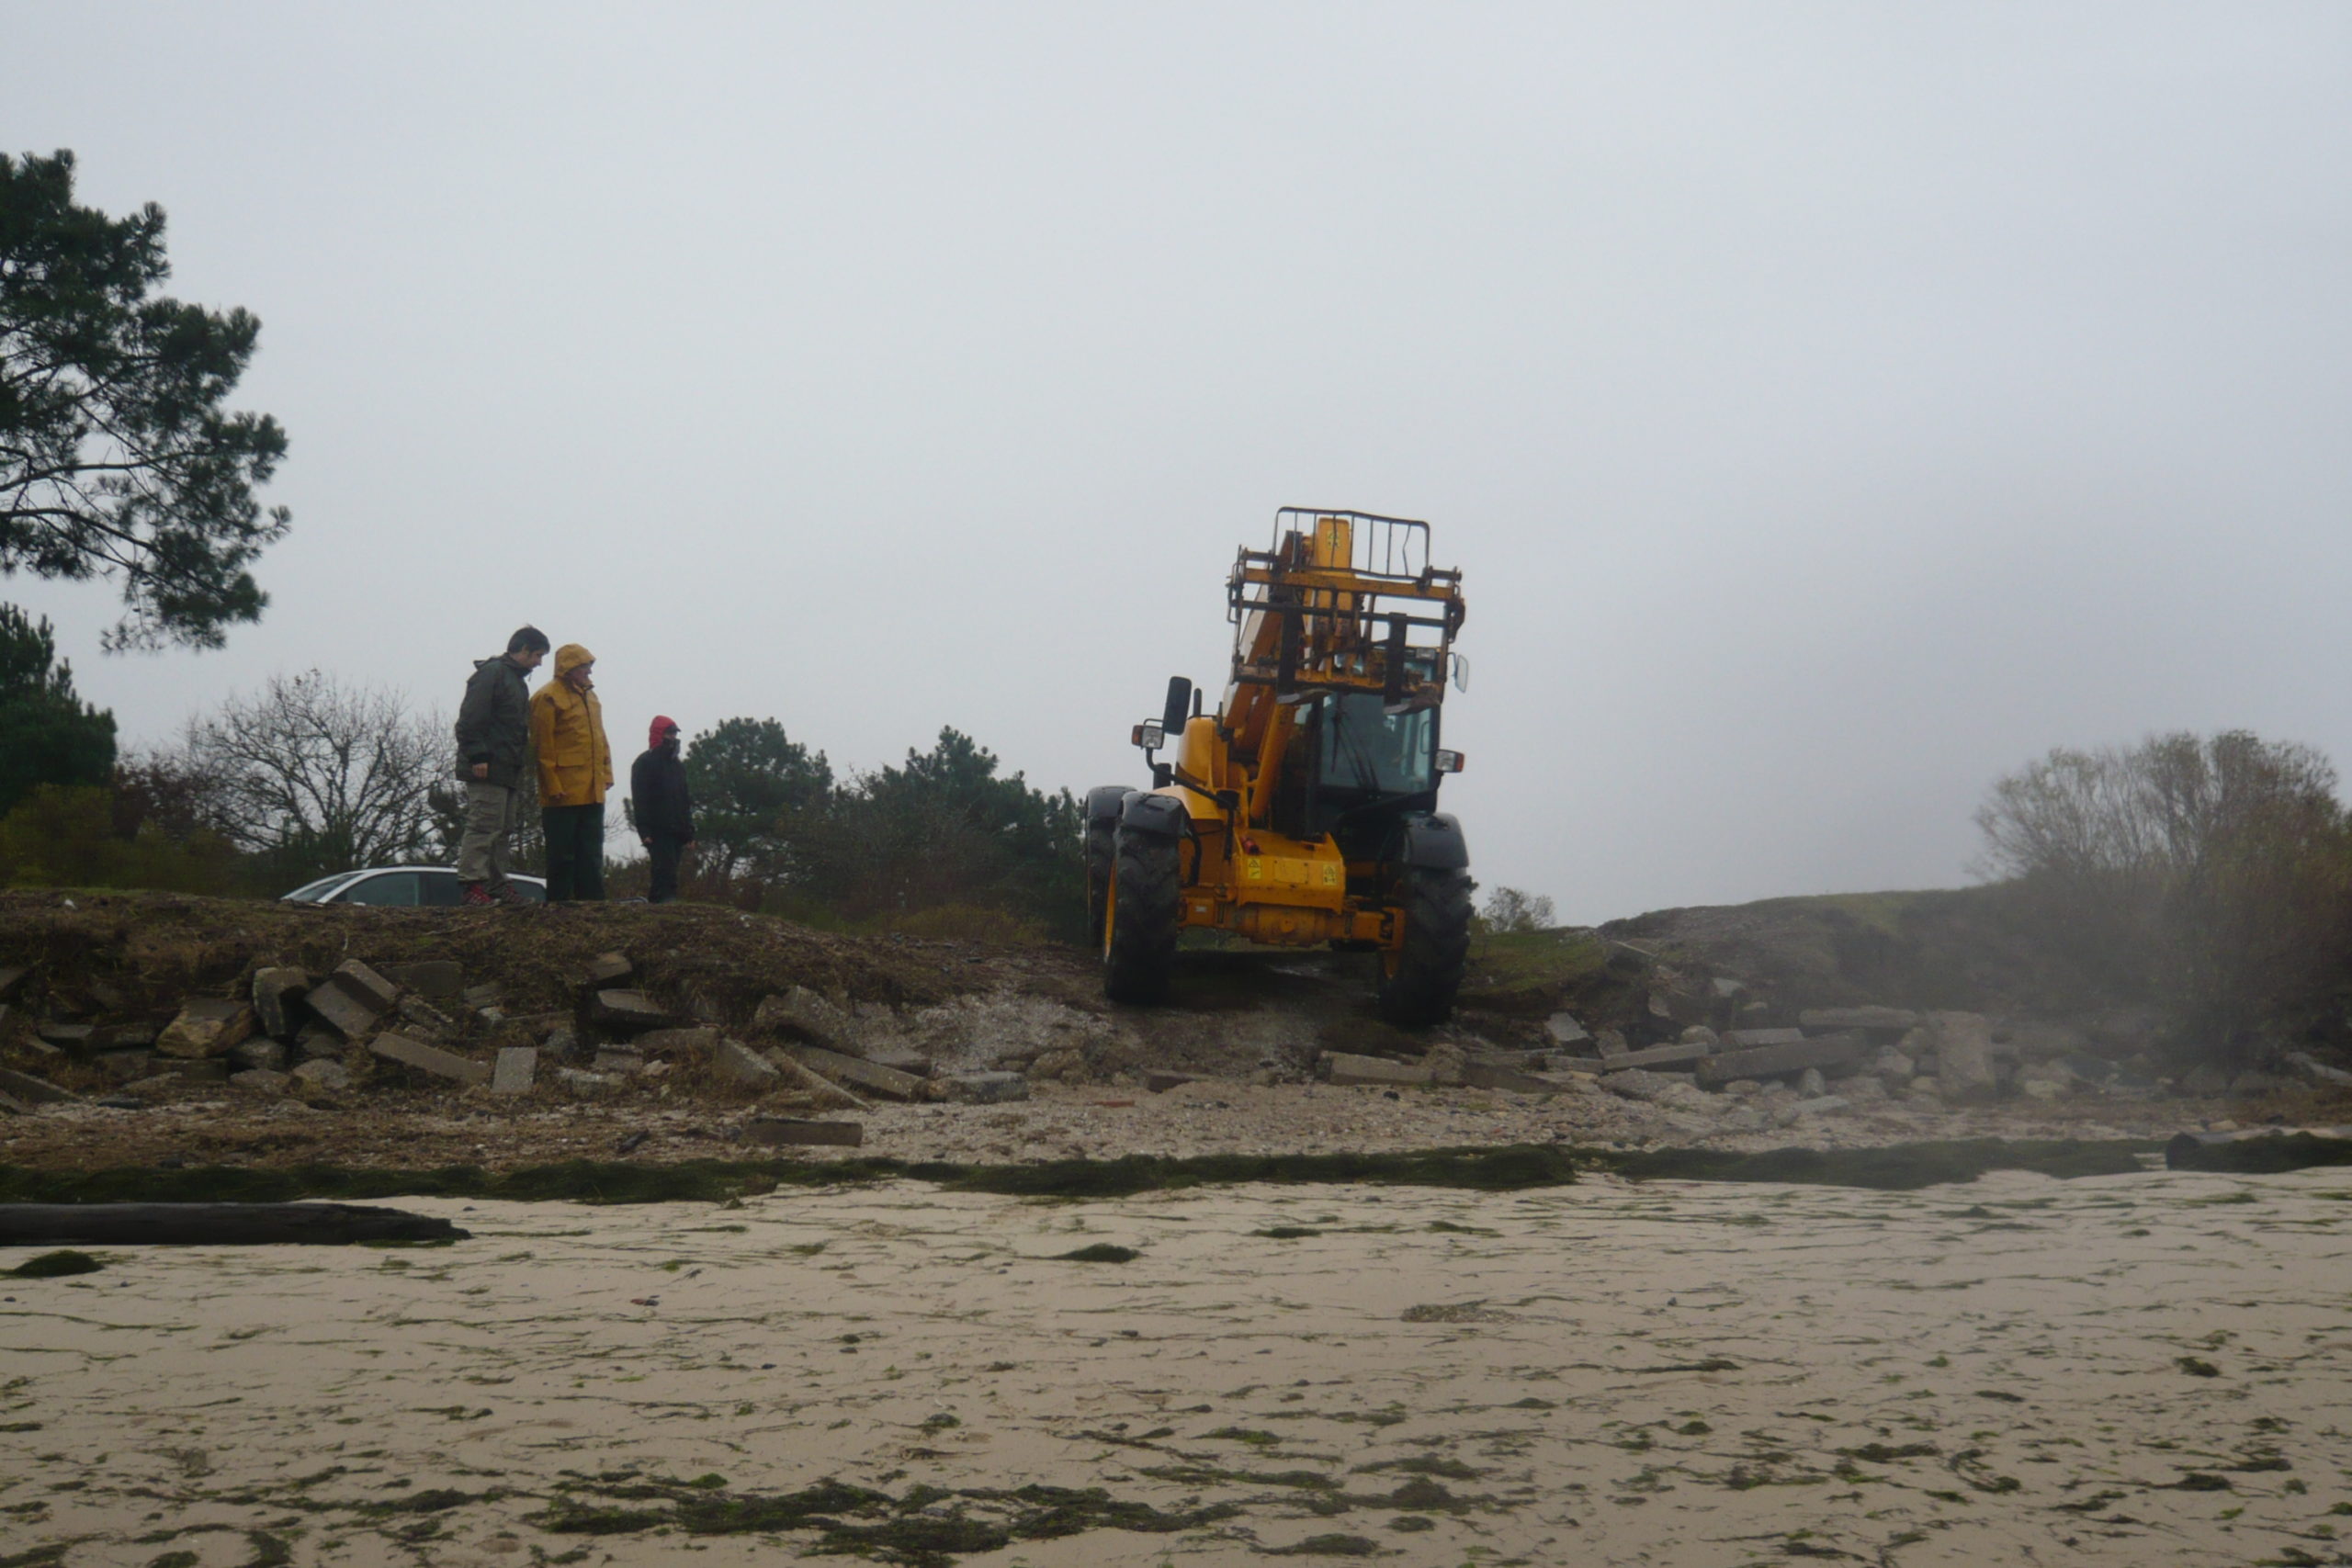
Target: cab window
{"type": "Point", "coordinates": [1363, 747]}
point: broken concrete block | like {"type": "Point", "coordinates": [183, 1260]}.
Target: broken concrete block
{"type": "Point", "coordinates": [515, 1067]}
{"type": "Point", "coordinates": [317, 1040]}
{"type": "Point", "coordinates": [788, 1130]}
{"type": "Point", "coordinates": [1837, 1021]}
{"type": "Point", "coordinates": [278, 994]}
{"type": "Point", "coordinates": [733, 1062]}
{"type": "Point", "coordinates": [588, 1086]}
{"type": "Point", "coordinates": [474, 997]}
{"type": "Point", "coordinates": [796, 1071]}
{"type": "Point", "coordinates": [896, 1054]}
{"type": "Point", "coordinates": [124, 1037]}
{"type": "Point", "coordinates": [124, 1066]}
{"type": "Point", "coordinates": [154, 1088]}
{"type": "Point", "coordinates": [33, 1090]}
{"type": "Point", "coordinates": [1160, 1082]}
{"type": "Point", "coordinates": [864, 1074]}
{"type": "Point", "coordinates": [1493, 1074]}
{"type": "Point", "coordinates": [1964, 1055]}
{"type": "Point", "coordinates": [608, 969]}
{"type": "Point", "coordinates": [411, 1051]}
{"type": "Point", "coordinates": [13, 1107]}
{"type": "Point", "coordinates": [1774, 1061]}
{"type": "Point", "coordinates": [1745, 1039]}
{"type": "Point", "coordinates": [562, 1041]}
{"type": "Point", "coordinates": [1699, 1034]}
{"type": "Point", "coordinates": [206, 1027]}
{"type": "Point", "coordinates": [439, 978]}
{"type": "Point", "coordinates": [2317, 1071]}
{"type": "Point", "coordinates": [265, 1054]}
{"type": "Point", "coordinates": [426, 1019]}
{"type": "Point", "coordinates": [679, 1042]}
{"type": "Point", "coordinates": [630, 1010]}
{"type": "Point", "coordinates": [1725, 988]}
{"type": "Point", "coordinates": [344, 1011]}
{"type": "Point", "coordinates": [260, 1080]}
{"type": "Point", "coordinates": [982, 1089]}
{"type": "Point", "coordinates": [67, 1036]}
{"type": "Point", "coordinates": [323, 1075]}
{"type": "Point", "coordinates": [615, 1059]}
{"type": "Point", "coordinates": [208, 1070]}
{"type": "Point", "coordinates": [803, 1013]}
{"type": "Point", "coordinates": [365, 985]}
{"type": "Point", "coordinates": [12, 979]}
{"type": "Point", "coordinates": [1653, 1056]}
{"type": "Point", "coordinates": [1565, 1030]}
{"type": "Point", "coordinates": [1345, 1068]}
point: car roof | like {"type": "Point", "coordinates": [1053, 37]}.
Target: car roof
{"type": "Point", "coordinates": [378, 870]}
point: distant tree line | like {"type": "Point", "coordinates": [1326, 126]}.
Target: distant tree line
{"type": "Point", "coordinates": [311, 774]}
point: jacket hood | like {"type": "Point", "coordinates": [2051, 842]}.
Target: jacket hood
{"type": "Point", "coordinates": [571, 656]}
{"type": "Point", "coordinates": [662, 726]}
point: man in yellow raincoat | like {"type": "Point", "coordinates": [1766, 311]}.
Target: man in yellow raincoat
{"type": "Point", "coordinates": [575, 770]}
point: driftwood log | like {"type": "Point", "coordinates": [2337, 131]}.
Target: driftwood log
{"type": "Point", "coordinates": [214, 1225]}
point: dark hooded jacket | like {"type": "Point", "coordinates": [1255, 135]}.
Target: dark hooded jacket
{"type": "Point", "coordinates": [657, 787]}
{"type": "Point", "coordinates": [495, 722]}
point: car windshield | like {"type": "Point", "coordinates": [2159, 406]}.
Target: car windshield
{"type": "Point", "coordinates": [1367, 749]}
{"type": "Point", "coordinates": [316, 892]}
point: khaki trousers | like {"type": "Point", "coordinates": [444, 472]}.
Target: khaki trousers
{"type": "Point", "coordinates": [483, 854]}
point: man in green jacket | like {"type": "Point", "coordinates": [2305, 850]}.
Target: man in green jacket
{"type": "Point", "coordinates": [493, 743]}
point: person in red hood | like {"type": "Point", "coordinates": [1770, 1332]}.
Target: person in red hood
{"type": "Point", "coordinates": [660, 806]}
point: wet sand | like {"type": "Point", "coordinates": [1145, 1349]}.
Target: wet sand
{"type": "Point", "coordinates": [2125, 1370]}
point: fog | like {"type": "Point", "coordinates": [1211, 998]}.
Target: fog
{"type": "Point", "coordinates": [1830, 407]}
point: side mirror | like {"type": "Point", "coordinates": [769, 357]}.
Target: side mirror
{"type": "Point", "coordinates": [1180, 705]}
{"type": "Point", "coordinates": [1461, 673]}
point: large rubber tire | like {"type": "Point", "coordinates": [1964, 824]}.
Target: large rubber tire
{"type": "Point", "coordinates": [1147, 895]}
{"type": "Point", "coordinates": [1418, 982]}
{"type": "Point", "coordinates": [1101, 852]}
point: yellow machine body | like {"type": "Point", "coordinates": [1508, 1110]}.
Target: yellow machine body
{"type": "Point", "coordinates": [1344, 605]}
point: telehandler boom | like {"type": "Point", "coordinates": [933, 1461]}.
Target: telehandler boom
{"type": "Point", "coordinates": [1303, 811]}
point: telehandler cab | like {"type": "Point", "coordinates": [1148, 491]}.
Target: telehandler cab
{"type": "Point", "coordinates": [1304, 810]}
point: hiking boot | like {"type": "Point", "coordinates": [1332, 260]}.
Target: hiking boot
{"type": "Point", "coordinates": [474, 894]}
{"type": "Point", "coordinates": [506, 893]}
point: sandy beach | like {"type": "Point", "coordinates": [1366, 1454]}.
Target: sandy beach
{"type": "Point", "coordinates": [2114, 1369]}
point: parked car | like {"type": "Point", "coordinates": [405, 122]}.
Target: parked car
{"type": "Point", "coordinates": [401, 887]}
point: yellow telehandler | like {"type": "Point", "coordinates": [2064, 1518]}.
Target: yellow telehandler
{"type": "Point", "coordinates": [1302, 812]}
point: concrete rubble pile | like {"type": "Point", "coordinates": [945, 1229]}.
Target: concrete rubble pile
{"type": "Point", "coordinates": [1716, 1052]}
{"type": "Point", "coordinates": [329, 1038]}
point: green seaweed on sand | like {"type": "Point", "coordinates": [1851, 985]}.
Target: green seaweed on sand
{"type": "Point", "coordinates": [912, 1529]}
{"type": "Point", "coordinates": [55, 1265]}
{"type": "Point", "coordinates": [1503, 1168]}
{"type": "Point", "coordinates": [1897, 1168]}
{"type": "Point", "coordinates": [1099, 1252]}
{"type": "Point", "coordinates": [2257, 1156]}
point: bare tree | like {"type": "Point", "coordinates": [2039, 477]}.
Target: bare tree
{"type": "Point", "coordinates": [2215, 874]}
{"type": "Point", "coordinates": [1515, 910]}
{"type": "Point", "coordinates": [330, 774]}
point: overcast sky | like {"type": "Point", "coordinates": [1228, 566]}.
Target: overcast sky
{"type": "Point", "coordinates": [1830, 406]}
